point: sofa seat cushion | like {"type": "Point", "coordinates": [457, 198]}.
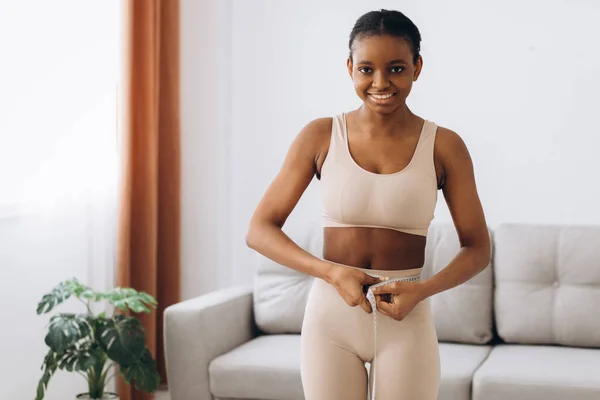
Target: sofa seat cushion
{"type": "Point", "coordinates": [267, 367]}
{"type": "Point", "coordinates": [458, 363]}
{"type": "Point", "coordinates": [538, 373]}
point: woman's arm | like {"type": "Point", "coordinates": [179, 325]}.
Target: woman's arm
{"type": "Point", "coordinates": [461, 195]}
{"type": "Point", "coordinates": [264, 233]}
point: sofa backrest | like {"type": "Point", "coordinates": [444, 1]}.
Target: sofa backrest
{"type": "Point", "coordinates": [281, 293]}
{"type": "Point", "coordinates": [548, 284]}
{"type": "Point", "coordinates": [462, 314]}
{"type": "Point", "coordinates": [544, 287]}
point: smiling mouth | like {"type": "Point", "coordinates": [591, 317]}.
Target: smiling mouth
{"type": "Point", "coordinates": [382, 96]}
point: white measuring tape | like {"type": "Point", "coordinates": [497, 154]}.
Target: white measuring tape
{"type": "Point", "coordinates": [372, 301]}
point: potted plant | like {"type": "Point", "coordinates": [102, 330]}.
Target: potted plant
{"type": "Point", "coordinates": [92, 344]}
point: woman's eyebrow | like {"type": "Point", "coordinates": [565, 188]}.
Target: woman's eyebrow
{"type": "Point", "coordinates": [396, 61]}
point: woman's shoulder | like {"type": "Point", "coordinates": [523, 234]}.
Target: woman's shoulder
{"type": "Point", "coordinates": [449, 145]}
{"type": "Point", "coordinates": [446, 135]}
{"type": "Point", "coordinates": [316, 131]}
{"type": "Point", "coordinates": [319, 125]}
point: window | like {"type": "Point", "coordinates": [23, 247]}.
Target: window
{"type": "Point", "coordinates": [58, 101]}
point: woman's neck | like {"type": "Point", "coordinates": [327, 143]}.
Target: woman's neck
{"type": "Point", "coordinates": [378, 125]}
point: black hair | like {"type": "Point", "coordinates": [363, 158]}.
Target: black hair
{"type": "Point", "coordinates": [387, 22]}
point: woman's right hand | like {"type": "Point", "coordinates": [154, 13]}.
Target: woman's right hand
{"type": "Point", "coordinates": [349, 283]}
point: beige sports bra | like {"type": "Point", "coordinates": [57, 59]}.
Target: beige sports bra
{"type": "Point", "coordinates": [354, 197]}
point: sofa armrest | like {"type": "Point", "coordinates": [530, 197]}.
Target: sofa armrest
{"type": "Point", "coordinates": [200, 329]}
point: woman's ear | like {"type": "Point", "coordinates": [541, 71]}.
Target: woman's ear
{"type": "Point", "coordinates": [418, 68]}
{"type": "Point", "coordinates": [349, 66]}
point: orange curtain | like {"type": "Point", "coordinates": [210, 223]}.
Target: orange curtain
{"type": "Point", "coordinates": [149, 220]}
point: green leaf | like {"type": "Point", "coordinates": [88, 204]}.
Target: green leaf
{"type": "Point", "coordinates": [130, 299]}
{"type": "Point", "coordinates": [142, 373]}
{"type": "Point", "coordinates": [79, 289]}
{"type": "Point", "coordinates": [62, 292]}
{"type": "Point", "coordinates": [59, 294]}
{"type": "Point", "coordinates": [66, 330]}
{"type": "Point", "coordinates": [81, 358]}
{"type": "Point", "coordinates": [122, 338]}
{"type": "Point", "coordinates": [49, 366]}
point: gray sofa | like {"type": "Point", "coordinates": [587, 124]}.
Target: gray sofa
{"type": "Point", "coordinates": [526, 328]}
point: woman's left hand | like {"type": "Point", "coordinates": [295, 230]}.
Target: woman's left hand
{"type": "Point", "coordinates": [397, 299]}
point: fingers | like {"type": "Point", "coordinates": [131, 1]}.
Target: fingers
{"type": "Point", "coordinates": [383, 307]}
{"type": "Point", "coordinates": [392, 288]}
{"type": "Point", "coordinates": [389, 288]}
{"type": "Point", "coordinates": [365, 305]}
{"type": "Point", "coordinates": [385, 298]}
{"type": "Point", "coordinates": [387, 309]}
{"type": "Point", "coordinates": [390, 310]}
{"type": "Point", "coordinates": [371, 280]}
{"type": "Point", "coordinates": [383, 312]}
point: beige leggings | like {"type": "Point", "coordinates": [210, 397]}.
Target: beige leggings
{"type": "Point", "coordinates": [337, 340]}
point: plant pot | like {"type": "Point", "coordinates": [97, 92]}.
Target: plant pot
{"type": "Point", "coordinates": [107, 396]}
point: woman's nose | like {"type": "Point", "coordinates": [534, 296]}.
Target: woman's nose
{"type": "Point", "coordinates": [381, 81]}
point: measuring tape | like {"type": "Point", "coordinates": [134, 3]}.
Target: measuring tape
{"type": "Point", "coordinates": [372, 301]}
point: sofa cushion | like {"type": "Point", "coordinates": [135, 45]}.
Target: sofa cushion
{"type": "Point", "coordinates": [268, 367]}
{"type": "Point", "coordinates": [281, 293]}
{"type": "Point", "coordinates": [538, 373]}
{"type": "Point", "coordinates": [464, 313]}
{"type": "Point", "coordinates": [458, 363]}
{"type": "Point", "coordinates": [548, 284]}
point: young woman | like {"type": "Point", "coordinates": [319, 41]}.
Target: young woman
{"type": "Point", "coordinates": [380, 168]}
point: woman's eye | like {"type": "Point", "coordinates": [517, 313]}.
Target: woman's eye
{"type": "Point", "coordinates": [364, 70]}
{"type": "Point", "coordinates": [397, 70]}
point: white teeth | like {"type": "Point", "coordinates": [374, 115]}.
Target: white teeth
{"type": "Point", "coordinates": [382, 97]}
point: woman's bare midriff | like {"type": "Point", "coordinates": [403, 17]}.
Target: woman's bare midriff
{"type": "Point", "coordinates": [373, 248]}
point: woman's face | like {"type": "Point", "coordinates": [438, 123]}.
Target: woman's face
{"type": "Point", "coordinates": [382, 70]}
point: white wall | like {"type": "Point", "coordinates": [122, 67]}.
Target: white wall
{"type": "Point", "coordinates": [205, 116]}
{"type": "Point", "coordinates": [57, 173]}
{"type": "Point", "coordinates": [517, 80]}
{"type": "Point", "coordinates": [36, 253]}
